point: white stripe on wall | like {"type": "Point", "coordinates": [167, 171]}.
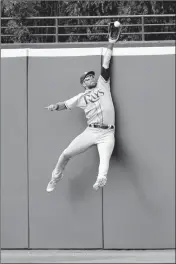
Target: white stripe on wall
{"type": "Point", "coordinates": [138, 51]}
{"type": "Point", "coordinates": [69, 52]}
{"type": "Point", "coordinates": [5, 53]}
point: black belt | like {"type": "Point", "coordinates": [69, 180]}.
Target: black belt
{"type": "Point", "coordinates": [102, 126]}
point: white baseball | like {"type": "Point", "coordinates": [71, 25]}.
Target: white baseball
{"type": "Point", "coordinates": [116, 23]}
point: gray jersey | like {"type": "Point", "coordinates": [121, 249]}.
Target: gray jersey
{"type": "Point", "coordinates": [97, 103]}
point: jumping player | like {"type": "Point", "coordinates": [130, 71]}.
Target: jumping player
{"type": "Point", "coordinates": [96, 101]}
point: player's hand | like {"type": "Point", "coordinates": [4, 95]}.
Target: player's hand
{"type": "Point", "coordinates": [51, 107]}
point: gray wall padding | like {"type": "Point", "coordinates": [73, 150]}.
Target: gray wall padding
{"type": "Point", "coordinates": [71, 216]}
{"type": "Point", "coordinates": [139, 199]}
{"type": "Point", "coordinates": [14, 203]}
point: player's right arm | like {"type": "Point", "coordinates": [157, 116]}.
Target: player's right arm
{"type": "Point", "coordinates": [57, 107]}
{"type": "Point", "coordinates": [76, 101]}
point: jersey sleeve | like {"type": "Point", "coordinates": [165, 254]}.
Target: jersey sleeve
{"type": "Point", "coordinates": [76, 101]}
{"type": "Point", "coordinates": [105, 73]}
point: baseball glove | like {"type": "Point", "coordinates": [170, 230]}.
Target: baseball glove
{"type": "Point", "coordinates": [113, 32]}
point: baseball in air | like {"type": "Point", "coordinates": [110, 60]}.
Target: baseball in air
{"type": "Point", "coordinates": [116, 23]}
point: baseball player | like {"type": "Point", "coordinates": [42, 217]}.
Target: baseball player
{"type": "Point", "coordinates": [96, 101]}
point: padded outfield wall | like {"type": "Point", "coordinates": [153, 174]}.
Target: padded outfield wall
{"type": "Point", "coordinates": [136, 208]}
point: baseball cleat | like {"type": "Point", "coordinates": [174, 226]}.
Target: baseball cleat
{"type": "Point", "coordinates": [55, 178]}
{"type": "Point", "coordinates": [100, 182]}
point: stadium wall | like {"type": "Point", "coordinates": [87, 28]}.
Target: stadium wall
{"type": "Point", "coordinates": [136, 209]}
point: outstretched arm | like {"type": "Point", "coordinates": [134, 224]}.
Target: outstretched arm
{"type": "Point", "coordinates": [114, 33]}
{"type": "Point", "coordinates": [105, 72]}
{"type": "Point", "coordinates": [71, 103]}
{"type": "Point", "coordinates": [107, 56]}
{"type": "Point", "coordinates": [56, 107]}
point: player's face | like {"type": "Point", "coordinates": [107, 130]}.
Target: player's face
{"type": "Point", "coordinates": [90, 82]}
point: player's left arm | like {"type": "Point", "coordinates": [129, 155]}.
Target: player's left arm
{"type": "Point", "coordinates": [114, 33]}
{"type": "Point", "coordinates": [105, 69]}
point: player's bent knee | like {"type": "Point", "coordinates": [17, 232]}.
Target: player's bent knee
{"type": "Point", "coordinates": [66, 154]}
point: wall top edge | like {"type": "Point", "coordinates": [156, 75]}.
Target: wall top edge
{"type": "Point", "coordinates": [88, 44]}
{"type": "Point", "coordinates": [75, 52]}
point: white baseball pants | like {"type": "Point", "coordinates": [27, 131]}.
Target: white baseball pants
{"type": "Point", "coordinates": [103, 138]}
